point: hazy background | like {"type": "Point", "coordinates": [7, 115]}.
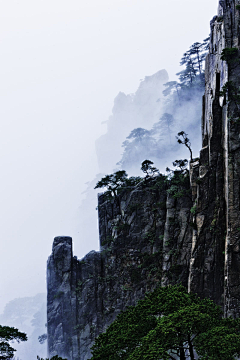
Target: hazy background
{"type": "Point", "coordinates": [62, 64]}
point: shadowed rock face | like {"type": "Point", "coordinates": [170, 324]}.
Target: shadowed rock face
{"type": "Point", "coordinates": [215, 269]}
{"type": "Point", "coordinates": [149, 236]}
{"type": "Point", "coordinates": [145, 241]}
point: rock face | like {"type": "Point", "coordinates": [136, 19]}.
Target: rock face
{"type": "Point", "coordinates": [145, 239]}
{"type": "Point", "coordinates": [151, 234]}
{"type": "Point", "coordinates": [214, 269]}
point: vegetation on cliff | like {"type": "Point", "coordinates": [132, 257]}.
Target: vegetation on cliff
{"type": "Point", "coordinates": [170, 323]}
{"type": "Point", "coordinates": [154, 142]}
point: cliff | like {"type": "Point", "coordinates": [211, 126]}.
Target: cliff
{"type": "Point", "coordinates": [145, 239]}
{"type": "Point", "coordinates": [214, 270]}
{"type": "Point", "coordinates": [157, 233]}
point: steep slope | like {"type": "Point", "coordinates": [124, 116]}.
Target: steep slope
{"type": "Point", "coordinates": [215, 270]}
{"type": "Point", "coordinates": [145, 239]}
{"type": "Point", "coordinates": [155, 233]}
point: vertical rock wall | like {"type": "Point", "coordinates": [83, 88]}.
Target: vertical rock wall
{"type": "Point", "coordinates": [148, 234]}
{"type": "Point", "coordinates": [145, 240]}
{"type": "Point", "coordinates": [215, 269]}
{"type": "Point", "coordinates": [208, 245]}
{"type": "Point", "coordinates": [231, 16]}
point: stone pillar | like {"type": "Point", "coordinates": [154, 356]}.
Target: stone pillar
{"type": "Point", "coordinates": [59, 308]}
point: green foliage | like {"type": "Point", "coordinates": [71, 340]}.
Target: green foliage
{"type": "Point", "coordinates": [172, 190]}
{"type": "Point", "coordinates": [228, 88]}
{"type": "Point", "coordinates": [238, 7]}
{"type": "Point", "coordinates": [151, 236]}
{"type": "Point", "coordinates": [9, 334]}
{"type": "Point", "coordinates": [112, 182]}
{"type": "Point", "coordinates": [229, 55]}
{"type": "Point", "coordinates": [116, 182]}
{"type": "Point", "coordinates": [233, 94]}
{"type": "Point", "coordinates": [132, 181]}
{"type": "Point", "coordinates": [178, 180]}
{"type": "Point", "coordinates": [193, 210]}
{"type": "Point", "coordinates": [170, 323]}
{"type": "Point", "coordinates": [107, 241]}
{"type": "Point", "coordinates": [220, 342]}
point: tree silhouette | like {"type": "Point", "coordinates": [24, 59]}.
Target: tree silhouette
{"type": "Point", "coordinates": [9, 334]}
{"type": "Point", "coordinates": [183, 139]}
{"type": "Point", "coordinates": [112, 183]}
{"type": "Point", "coordinates": [148, 169]}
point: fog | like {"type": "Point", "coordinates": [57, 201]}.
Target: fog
{"type": "Point", "coordinates": [62, 65]}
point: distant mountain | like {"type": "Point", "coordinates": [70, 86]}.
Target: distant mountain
{"type": "Point", "coordinates": [141, 109]}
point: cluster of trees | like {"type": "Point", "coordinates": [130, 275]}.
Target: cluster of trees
{"type": "Point", "coordinates": [143, 143]}
{"type": "Point", "coordinates": [193, 73]}
{"type": "Point", "coordinates": [170, 323]}
{"type": "Point", "coordinates": [115, 183]}
{"type": "Point", "coordinates": [146, 142]}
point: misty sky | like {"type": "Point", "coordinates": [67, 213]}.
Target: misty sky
{"type": "Point", "coordinates": [62, 64]}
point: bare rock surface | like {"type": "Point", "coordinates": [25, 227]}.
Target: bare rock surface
{"type": "Point", "coordinates": [145, 239]}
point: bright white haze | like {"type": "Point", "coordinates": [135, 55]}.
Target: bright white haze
{"type": "Point", "coordinates": [61, 65]}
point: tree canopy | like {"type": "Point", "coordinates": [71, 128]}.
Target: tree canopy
{"type": "Point", "coordinates": [148, 169]}
{"type": "Point", "coordinates": [182, 138]}
{"type": "Point", "coordinates": [116, 182]}
{"type": "Point", "coordinates": [9, 334]}
{"type": "Point", "coordinates": [112, 182]}
{"type": "Point", "coordinates": [193, 73]}
{"type": "Point", "coordinates": [170, 323]}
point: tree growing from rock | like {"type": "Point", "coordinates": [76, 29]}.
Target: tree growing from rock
{"type": "Point", "coordinates": [112, 182]}
{"type": "Point", "coordinates": [182, 138]}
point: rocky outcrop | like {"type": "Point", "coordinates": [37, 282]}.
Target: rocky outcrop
{"type": "Point", "coordinates": [145, 239]}
{"type": "Point", "coordinates": [156, 233]}
{"type": "Point", "coordinates": [215, 260]}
